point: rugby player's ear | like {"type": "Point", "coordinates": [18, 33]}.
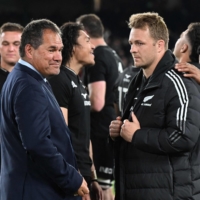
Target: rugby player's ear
{"type": "Point", "coordinates": [184, 48]}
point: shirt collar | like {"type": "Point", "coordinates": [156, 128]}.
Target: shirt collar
{"type": "Point", "coordinates": [23, 62]}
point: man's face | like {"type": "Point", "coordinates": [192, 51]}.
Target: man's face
{"type": "Point", "coordinates": [83, 52]}
{"type": "Point", "coordinates": [179, 45]}
{"type": "Point", "coordinates": [9, 47]}
{"type": "Point", "coordinates": [143, 48]}
{"type": "Point", "coordinates": [47, 57]}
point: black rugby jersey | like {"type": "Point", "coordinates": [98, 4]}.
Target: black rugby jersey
{"type": "Point", "coordinates": [71, 94]}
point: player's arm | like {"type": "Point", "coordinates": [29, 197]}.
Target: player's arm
{"type": "Point", "coordinates": [65, 114]}
{"type": "Point", "coordinates": [189, 71]}
{"type": "Point", "coordinates": [97, 92]}
{"type": "Point", "coordinates": [95, 187]}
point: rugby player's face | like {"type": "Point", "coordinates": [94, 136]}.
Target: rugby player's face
{"type": "Point", "coordinates": [9, 47]}
{"type": "Point", "coordinates": [83, 51]}
{"type": "Point", "coordinates": [179, 46]}
{"type": "Point", "coordinates": [143, 47]}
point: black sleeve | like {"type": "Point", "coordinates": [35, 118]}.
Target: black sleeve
{"type": "Point", "coordinates": [62, 89]}
{"type": "Point", "coordinates": [181, 131]}
{"type": "Point", "coordinates": [97, 72]}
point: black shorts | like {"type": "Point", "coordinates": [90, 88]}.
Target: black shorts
{"type": "Point", "coordinates": [103, 158]}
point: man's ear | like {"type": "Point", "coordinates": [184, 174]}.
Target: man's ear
{"type": "Point", "coordinates": [160, 45]}
{"type": "Point", "coordinates": [29, 50]}
{"type": "Point", "coordinates": [184, 48]}
{"type": "Point", "coordinates": [74, 49]}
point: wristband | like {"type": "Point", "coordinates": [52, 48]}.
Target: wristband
{"type": "Point", "coordinates": [94, 180]}
{"type": "Point", "coordinates": [93, 175]}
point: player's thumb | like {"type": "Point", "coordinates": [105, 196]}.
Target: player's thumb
{"type": "Point", "coordinates": [134, 118]}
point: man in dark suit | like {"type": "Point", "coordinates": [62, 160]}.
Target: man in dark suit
{"type": "Point", "coordinates": [38, 161]}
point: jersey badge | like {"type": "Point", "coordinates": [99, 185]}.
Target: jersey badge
{"type": "Point", "coordinates": [147, 98]}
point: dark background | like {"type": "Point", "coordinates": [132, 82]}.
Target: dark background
{"type": "Point", "coordinates": [114, 14]}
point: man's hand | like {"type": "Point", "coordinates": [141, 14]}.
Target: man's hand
{"type": "Point", "coordinates": [191, 71]}
{"type": "Point", "coordinates": [128, 128]}
{"type": "Point", "coordinates": [86, 197]}
{"type": "Point", "coordinates": [115, 127]}
{"type": "Point", "coordinates": [96, 191]}
{"type": "Point", "coordinates": [83, 189]}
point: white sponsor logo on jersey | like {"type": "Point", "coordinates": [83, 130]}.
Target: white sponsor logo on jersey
{"type": "Point", "coordinates": [127, 78]}
{"type": "Point", "coordinates": [106, 170]}
{"type": "Point", "coordinates": [87, 103]}
{"type": "Point", "coordinates": [127, 75]}
{"type": "Point", "coordinates": [84, 95]}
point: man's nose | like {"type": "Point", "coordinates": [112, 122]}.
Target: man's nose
{"type": "Point", "coordinates": [11, 47]}
{"type": "Point", "coordinates": [92, 46]}
{"type": "Point", "coordinates": [58, 56]}
{"type": "Point", "coordinates": [133, 48]}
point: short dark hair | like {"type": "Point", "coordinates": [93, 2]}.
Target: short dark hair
{"type": "Point", "coordinates": [70, 33]}
{"type": "Point", "coordinates": [154, 22]}
{"type": "Point", "coordinates": [92, 24]}
{"type": "Point", "coordinates": [33, 33]}
{"type": "Point", "coordinates": [13, 27]}
{"type": "Point", "coordinates": [193, 36]}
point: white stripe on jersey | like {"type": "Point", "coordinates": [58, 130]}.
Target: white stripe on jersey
{"type": "Point", "coordinates": [184, 101]}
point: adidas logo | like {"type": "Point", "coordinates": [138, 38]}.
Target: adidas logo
{"type": "Point", "coordinates": [73, 84]}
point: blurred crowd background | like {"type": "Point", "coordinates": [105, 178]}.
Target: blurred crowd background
{"type": "Point", "coordinates": [114, 14]}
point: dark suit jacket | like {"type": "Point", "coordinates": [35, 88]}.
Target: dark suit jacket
{"type": "Point", "coordinates": [38, 160]}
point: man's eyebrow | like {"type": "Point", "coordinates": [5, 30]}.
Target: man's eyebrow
{"type": "Point", "coordinates": [136, 41]}
{"type": "Point", "coordinates": [54, 47]}
{"type": "Point", "coordinates": [6, 41]}
{"type": "Point", "coordinates": [88, 37]}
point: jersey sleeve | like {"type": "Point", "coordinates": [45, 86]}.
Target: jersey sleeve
{"type": "Point", "coordinates": [97, 72]}
{"type": "Point", "coordinates": [62, 89]}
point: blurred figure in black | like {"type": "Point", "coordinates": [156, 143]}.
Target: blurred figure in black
{"type": "Point", "coordinates": [73, 98]}
{"type": "Point", "coordinates": [123, 83]}
{"type": "Point", "coordinates": [187, 50]}
{"type": "Point", "coordinates": [101, 80]}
